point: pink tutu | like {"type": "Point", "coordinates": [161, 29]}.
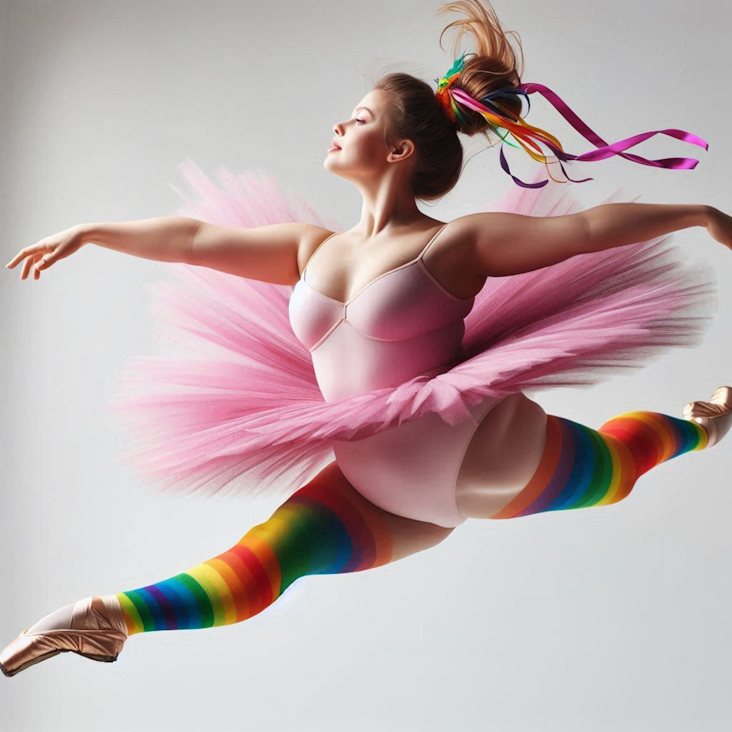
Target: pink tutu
{"type": "Point", "coordinates": [247, 414]}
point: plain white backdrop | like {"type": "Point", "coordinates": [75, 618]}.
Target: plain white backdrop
{"type": "Point", "coordinates": [596, 619]}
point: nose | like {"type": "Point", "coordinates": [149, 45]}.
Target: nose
{"type": "Point", "coordinates": [338, 129]}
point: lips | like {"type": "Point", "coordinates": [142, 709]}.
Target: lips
{"type": "Point", "coordinates": [335, 144]}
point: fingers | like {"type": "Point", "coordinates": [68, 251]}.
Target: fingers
{"type": "Point", "coordinates": [40, 255]}
{"type": "Point", "coordinates": [47, 251]}
{"type": "Point", "coordinates": [21, 255]}
{"type": "Point", "coordinates": [27, 264]}
{"type": "Point", "coordinates": [26, 268]}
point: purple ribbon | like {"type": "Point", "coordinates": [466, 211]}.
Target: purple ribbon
{"type": "Point", "coordinates": [604, 150]}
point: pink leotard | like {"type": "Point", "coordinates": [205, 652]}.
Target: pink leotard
{"type": "Point", "coordinates": [402, 324]}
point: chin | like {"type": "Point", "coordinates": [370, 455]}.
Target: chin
{"type": "Point", "coordinates": [333, 169]}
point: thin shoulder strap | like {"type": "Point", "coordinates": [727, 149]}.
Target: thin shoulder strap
{"type": "Point", "coordinates": [307, 264]}
{"type": "Point", "coordinates": [429, 243]}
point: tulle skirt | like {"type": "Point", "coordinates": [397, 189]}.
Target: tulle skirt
{"type": "Point", "coordinates": [240, 411]}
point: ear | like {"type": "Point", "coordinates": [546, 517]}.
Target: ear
{"type": "Point", "coordinates": [400, 151]}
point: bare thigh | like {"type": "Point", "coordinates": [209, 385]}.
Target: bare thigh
{"type": "Point", "coordinates": [502, 456]}
{"type": "Point", "coordinates": [408, 536]}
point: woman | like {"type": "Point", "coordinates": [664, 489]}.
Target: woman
{"type": "Point", "coordinates": [381, 306]}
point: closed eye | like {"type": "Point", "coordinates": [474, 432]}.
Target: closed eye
{"type": "Point", "coordinates": [362, 121]}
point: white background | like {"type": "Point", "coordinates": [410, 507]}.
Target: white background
{"type": "Point", "coordinates": [596, 619]}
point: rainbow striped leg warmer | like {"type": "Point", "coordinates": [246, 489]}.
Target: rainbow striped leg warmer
{"type": "Point", "coordinates": [318, 530]}
{"type": "Point", "coordinates": [582, 467]}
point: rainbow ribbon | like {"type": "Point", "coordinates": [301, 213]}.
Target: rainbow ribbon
{"type": "Point", "coordinates": [527, 135]}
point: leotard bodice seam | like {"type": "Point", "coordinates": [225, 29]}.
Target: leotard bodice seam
{"type": "Point", "coordinates": [344, 316]}
{"type": "Point", "coordinates": [417, 260]}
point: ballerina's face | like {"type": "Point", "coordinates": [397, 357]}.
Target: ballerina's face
{"type": "Point", "coordinates": [360, 151]}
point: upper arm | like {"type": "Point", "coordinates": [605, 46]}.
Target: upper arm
{"type": "Point", "coordinates": [508, 243]}
{"type": "Point", "coordinates": [267, 253]}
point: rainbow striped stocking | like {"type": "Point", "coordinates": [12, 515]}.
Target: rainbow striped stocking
{"type": "Point", "coordinates": [318, 530]}
{"type": "Point", "coordinates": [582, 467]}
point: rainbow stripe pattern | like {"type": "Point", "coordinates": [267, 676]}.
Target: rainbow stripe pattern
{"type": "Point", "coordinates": [453, 98]}
{"type": "Point", "coordinates": [582, 467]}
{"type": "Point", "coordinates": [318, 530]}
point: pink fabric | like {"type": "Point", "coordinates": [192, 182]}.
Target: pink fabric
{"type": "Point", "coordinates": [403, 324]}
{"type": "Point", "coordinates": [411, 470]}
{"type": "Point", "coordinates": [245, 414]}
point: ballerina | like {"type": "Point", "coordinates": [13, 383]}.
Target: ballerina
{"type": "Point", "coordinates": [421, 337]}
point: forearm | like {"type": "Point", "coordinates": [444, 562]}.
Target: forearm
{"type": "Point", "coordinates": [165, 239]}
{"type": "Point", "coordinates": [617, 224]}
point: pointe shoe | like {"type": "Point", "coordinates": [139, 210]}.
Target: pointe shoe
{"type": "Point", "coordinates": [96, 630]}
{"type": "Point", "coordinates": [715, 416]}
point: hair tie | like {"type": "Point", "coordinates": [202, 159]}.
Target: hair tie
{"type": "Point", "coordinates": [452, 99]}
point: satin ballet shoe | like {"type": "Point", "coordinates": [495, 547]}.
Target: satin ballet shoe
{"type": "Point", "coordinates": [715, 416]}
{"type": "Point", "coordinates": [96, 629]}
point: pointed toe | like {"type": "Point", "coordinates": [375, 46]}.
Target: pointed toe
{"type": "Point", "coordinates": [97, 631]}
{"type": "Point", "coordinates": [715, 416]}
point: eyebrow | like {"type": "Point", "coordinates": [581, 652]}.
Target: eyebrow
{"type": "Point", "coordinates": [366, 108]}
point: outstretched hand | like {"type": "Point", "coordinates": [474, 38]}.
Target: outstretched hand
{"type": "Point", "coordinates": [45, 252]}
{"type": "Point", "coordinates": [720, 227]}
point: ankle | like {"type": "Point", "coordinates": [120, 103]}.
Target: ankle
{"type": "Point", "coordinates": [133, 625]}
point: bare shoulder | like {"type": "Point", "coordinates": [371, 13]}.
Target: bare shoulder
{"type": "Point", "coordinates": [491, 226]}
{"type": "Point", "coordinates": [452, 258]}
{"type": "Point", "coordinates": [461, 231]}
{"type": "Point", "coordinates": [470, 228]}
{"type": "Point", "coordinates": [311, 237]}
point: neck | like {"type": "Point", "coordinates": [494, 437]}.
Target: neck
{"type": "Point", "coordinates": [388, 207]}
